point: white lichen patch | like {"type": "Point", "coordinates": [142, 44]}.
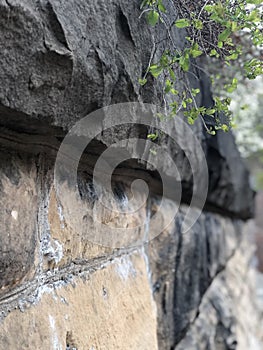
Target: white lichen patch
{"type": "Point", "coordinates": [125, 268]}
{"type": "Point", "coordinates": [147, 263]}
{"type": "Point", "coordinates": [54, 337]}
{"type": "Point", "coordinates": [61, 216]}
{"type": "Point", "coordinates": [51, 289]}
{"type": "Point", "coordinates": [54, 251]}
{"type": "Point", "coordinates": [14, 214]}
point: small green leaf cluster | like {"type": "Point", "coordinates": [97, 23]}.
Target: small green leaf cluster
{"type": "Point", "coordinates": [155, 8]}
{"type": "Point", "coordinates": [214, 29]}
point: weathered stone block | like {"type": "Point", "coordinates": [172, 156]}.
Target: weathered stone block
{"type": "Point", "coordinates": [111, 308]}
{"type": "Point", "coordinates": [18, 218]}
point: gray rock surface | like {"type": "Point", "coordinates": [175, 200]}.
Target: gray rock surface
{"type": "Point", "coordinates": [229, 316]}
{"type": "Point", "coordinates": [181, 276]}
{"type": "Point", "coordinates": [61, 61]}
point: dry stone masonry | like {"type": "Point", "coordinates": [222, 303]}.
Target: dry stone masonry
{"type": "Point", "coordinates": [59, 61]}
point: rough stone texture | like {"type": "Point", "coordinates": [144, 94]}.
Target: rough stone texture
{"type": "Point", "coordinates": [62, 60]}
{"type": "Point", "coordinates": [227, 178]}
{"type": "Point", "coordinates": [227, 173]}
{"type": "Point", "coordinates": [59, 287]}
{"type": "Point", "coordinates": [258, 229]}
{"type": "Point", "coordinates": [181, 275]}
{"type": "Point", "coordinates": [18, 217]}
{"type": "Point", "coordinates": [226, 316]}
{"type": "Point", "coordinates": [98, 311]}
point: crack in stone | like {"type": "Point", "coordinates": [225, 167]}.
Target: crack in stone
{"type": "Point", "coordinates": [28, 292]}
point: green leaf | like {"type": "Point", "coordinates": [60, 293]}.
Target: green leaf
{"type": "Point", "coordinates": [172, 75]}
{"type": "Point", "coordinates": [174, 92]}
{"type": "Point", "coordinates": [234, 26]}
{"type": "Point", "coordinates": [190, 120]}
{"type": "Point", "coordinates": [182, 23]}
{"type": "Point", "coordinates": [224, 35]}
{"type": "Point", "coordinates": [195, 92]}
{"type": "Point", "coordinates": [210, 111]}
{"type": "Point", "coordinates": [233, 56]}
{"type": "Point", "coordinates": [255, 2]}
{"type": "Point", "coordinates": [168, 86]}
{"type": "Point", "coordinates": [164, 61]}
{"type": "Point", "coordinates": [209, 8]}
{"type": "Point", "coordinates": [161, 6]}
{"type": "Point", "coordinates": [224, 127]}
{"type": "Point", "coordinates": [215, 17]}
{"type": "Point", "coordinates": [220, 44]}
{"type": "Point", "coordinates": [213, 52]}
{"type": "Point", "coordinates": [198, 24]}
{"type": "Point", "coordinates": [174, 106]}
{"type": "Point", "coordinates": [142, 81]}
{"type": "Point", "coordinates": [253, 68]}
{"type": "Point", "coordinates": [152, 136]}
{"type": "Point", "coordinates": [196, 53]}
{"type": "Point", "coordinates": [153, 17]}
{"type": "Point", "coordinates": [257, 37]}
{"type": "Point", "coordinates": [184, 62]}
{"type": "Point", "coordinates": [202, 110]}
{"type": "Point", "coordinates": [155, 70]}
{"type": "Point", "coordinates": [188, 38]}
{"type": "Point", "coordinates": [254, 16]}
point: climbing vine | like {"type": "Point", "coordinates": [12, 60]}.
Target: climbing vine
{"type": "Point", "coordinates": [227, 33]}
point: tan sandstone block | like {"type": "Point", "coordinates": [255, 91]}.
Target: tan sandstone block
{"type": "Point", "coordinates": [109, 309]}
{"type": "Point", "coordinates": [85, 230]}
{"type": "Point", "coordinates": [18, 218]}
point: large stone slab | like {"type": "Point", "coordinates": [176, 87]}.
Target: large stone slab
{"type": "Point", "coordinates": [18, 218]}
{"type": "Point", "coordinates": [229, 316]}
{"type": "Point", "coordinates": [109, 309]}
{"type": "Point", "coordinates": [62, 60]}
{"type": "Point", "coordinates": [184, 265]}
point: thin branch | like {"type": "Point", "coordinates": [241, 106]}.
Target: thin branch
{"type": "Point", "coordinates": [202, 9]}
{"type": "Point", "coordinates": [150, 60]}
{"type": "Point", "coordinates": [144, 11]}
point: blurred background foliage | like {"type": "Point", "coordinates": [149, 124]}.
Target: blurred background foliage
{"type": "Point", "coordinates": [247, 107]}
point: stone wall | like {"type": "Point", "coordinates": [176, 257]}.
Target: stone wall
{"type": "Point", "coordinates": [60, 288]}
{"type": "Point", "coordinates": [258, 229]}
